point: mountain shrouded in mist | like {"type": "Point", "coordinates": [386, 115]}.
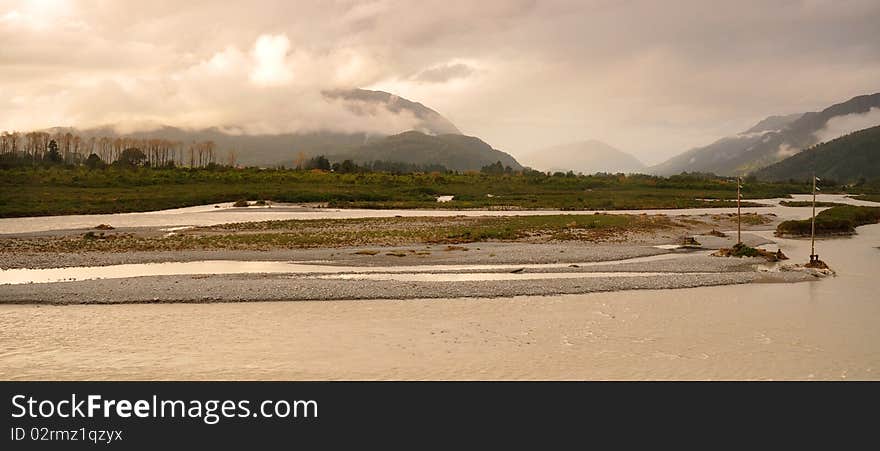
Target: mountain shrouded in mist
{"type": "Point", "coordinates": [847, 159]}
{"type": "Point", "coordinates": [362, 101]}
{"type": "Point", "coordinates": [776, 138]}
{"type": "Point", "coordinates": [584, 156]}
{"type": "Point", "coordinates": [420, 146]}
{"type": "Point", "coordinates": [457, 152]}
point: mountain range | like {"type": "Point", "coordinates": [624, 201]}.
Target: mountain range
{"type": "Point", "coordinates": [771, 140]}
{"type": "Point", "coordinates": [433, 140]}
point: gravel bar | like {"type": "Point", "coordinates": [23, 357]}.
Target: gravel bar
{"type": "Point", "coordinates": [242, 288]}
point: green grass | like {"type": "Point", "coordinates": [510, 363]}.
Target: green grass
{"type": "Point", "coordinates": [741, 250]}
{"type": "Point", "coordinates": [60, 190]}
{"type": "Point", "coordinates": [838, 220]}
{"type": "Point", "coordinates": [432, 230]}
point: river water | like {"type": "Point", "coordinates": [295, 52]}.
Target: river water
{"type": "Point", "coordinates": [826, 329]}
{"type": "Point", "coordinates": [76, 273]}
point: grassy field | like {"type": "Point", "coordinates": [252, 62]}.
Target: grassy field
{"type": "Point", "coordinates": [839, 220]}
{"type": "Point", "coordinates": [59, 190]}
{"type": "Point", "coordinates": [355, 232]}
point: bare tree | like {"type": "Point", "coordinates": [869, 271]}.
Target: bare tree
{"type": "Point", "coordinates": [210, 146]}
{"type": "Point", "coordinates": [230, 158]}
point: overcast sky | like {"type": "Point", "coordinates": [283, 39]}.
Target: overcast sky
{"type": "Point", "coordinates": [650, 77]}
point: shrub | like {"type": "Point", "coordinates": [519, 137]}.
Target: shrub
{"type": "Point", "coordinates": [741, 250]}
{"type": "Point", "coordinates": [839, 220]}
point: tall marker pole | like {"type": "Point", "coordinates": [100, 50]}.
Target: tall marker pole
{"type": "Point", "coordinates": [813, 255]}
{"type": "Point", "coordinates": [738, 215]}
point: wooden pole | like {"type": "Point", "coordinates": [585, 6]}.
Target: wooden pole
{"type": "Point", "coordinates": [813, 225]}
{"type": "Point", "coordinates": [738, 214]}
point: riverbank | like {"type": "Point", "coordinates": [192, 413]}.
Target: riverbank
{"type": "Point", "coordinates": [490, 269]}
{"type": "Point", "coordinates": [422, 257]}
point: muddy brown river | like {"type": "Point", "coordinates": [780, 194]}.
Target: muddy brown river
{"type": "Point", "coordinates": [826, 329]}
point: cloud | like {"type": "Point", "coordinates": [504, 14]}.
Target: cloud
{"type": "Point", "coordinates": [785, 150]}
{"type": "Point", "coordinates": [648, 77]}
{"type": "Point", "coordinates": [444, 73]}
{"type": "Point", "coordinates": [271, 65]}
{"type": "Point", "coordinates": [843, 125]}
{"type": "Point", "coordinates": [258, 91]}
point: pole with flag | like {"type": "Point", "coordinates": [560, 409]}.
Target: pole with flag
{"type": "Point", "coordinates": [813, 256]}
{"type": "Point", "coordinates": [738, 215]}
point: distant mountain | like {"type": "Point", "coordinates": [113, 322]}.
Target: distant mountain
{"type": "Point", "coordinates": [588, 157]}
{"type": "Point", "coordinates": [846, 159]}
{"type": "Point", "coordinates": [773, 123]}
{"type": "Point", "coordinates": [431, 122]}
{"type": "Point", "coordinates": [270, 150]}
{"type": "Point", "coordinates": [773, 139]}
{"type": "Point", "coordinates": [457, 152]}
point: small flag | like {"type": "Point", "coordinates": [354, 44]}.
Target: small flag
{"type": "Point", "coordinates": [818, 179]}
{"type": "Point", "coordinates": [817, 189]}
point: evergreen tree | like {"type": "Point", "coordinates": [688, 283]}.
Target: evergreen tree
{"type": "Point", "coordinates": [94, 162]}
{"type": "Point", "coordinates": [53, 155]}
{"type": "Point", "coordinates": [319, 162]}
{"type": "Point", "coordinates": [131, 157]}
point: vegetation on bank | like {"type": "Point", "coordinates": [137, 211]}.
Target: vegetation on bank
{"type": "Point", "coordinates": [838, 220]}
{"type": "Point", "coordinates": [868, 197]}
{"type": "Point", "coordinates": [807, 203]}
{"type": "Point", "coordinates": [59, 190]}
{"type": "Point", "coordinates": [356, 232]}
{"type": "Point", "coordinates": [742, 250]}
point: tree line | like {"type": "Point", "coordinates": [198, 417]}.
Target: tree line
{"type": "Point", "coordinates": [349, 166]}
{"type": "Point", "coordinates": [38, 148]}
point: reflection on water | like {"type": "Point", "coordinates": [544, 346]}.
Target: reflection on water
{"type": "Point", "coordinates": [22, 276]}
{"type": "Point", "coordinates": [206, 215]}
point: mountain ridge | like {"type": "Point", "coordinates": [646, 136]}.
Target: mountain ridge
{"type": "Point", "coordinates": [454, 151]}
{"type": "Point", "coordinates": [847, 159]}
{"type": "Point", "coordinates": [761, 146]}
